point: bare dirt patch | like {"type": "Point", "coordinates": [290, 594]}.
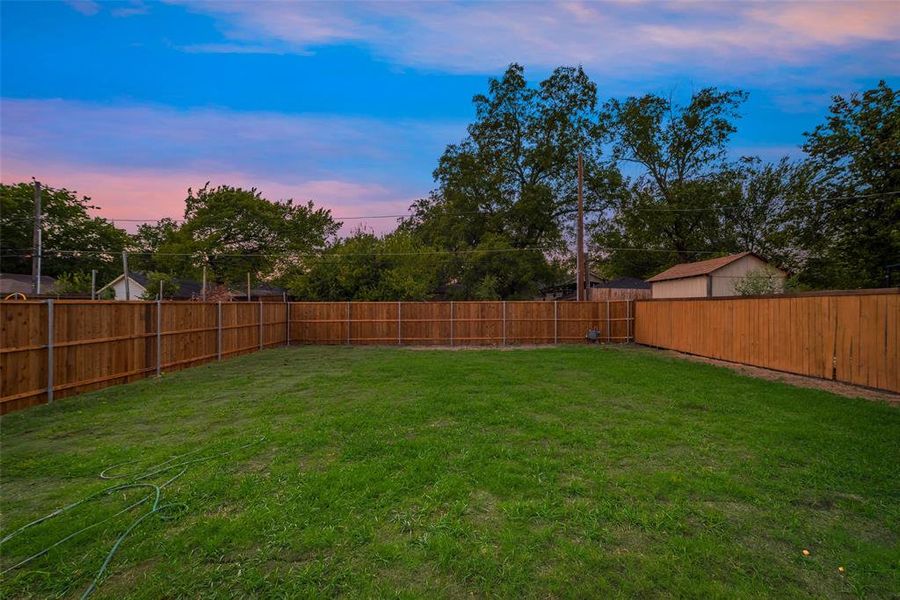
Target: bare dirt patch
{"type": "Point", "coordinates": [835, 387]}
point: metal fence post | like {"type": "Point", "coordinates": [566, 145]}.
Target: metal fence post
{"type": "Point", "coordinates": [399, 324]}
{"type": "Point", "coordinates": [158, 338]}
{"type": "Point", "coordinates": [555, 322]}
{"type": "Point", "coordinates": [50, 336]}
{"type": "Point", "coordinates": [451, 323]}
{"type": "Point", "coordinates": [504, 322]}
{"type": "Point", "coordinates": [260, 325]}
{"type": "Point", "coordinates": [287, 323]}
{"type": "Point", "coordinates": [348, 323]}
{"type": "Point", "coordinates": [219, 332]}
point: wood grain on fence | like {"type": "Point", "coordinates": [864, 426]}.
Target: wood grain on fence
{"type": "Point", "coordinates": [852, 338]}
{"type": "Point", "coordinates": [98, 344]}
{"type": "Point", "coordinates": [490, 323]}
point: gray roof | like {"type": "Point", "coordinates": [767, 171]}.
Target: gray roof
{"type": "Point", "coordinates": [11, 283]}
{"type": "Point", "coordinates": [626, 283]}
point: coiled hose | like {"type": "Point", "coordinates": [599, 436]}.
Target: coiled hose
{"type": "Point", "coordinates": [136, 481]}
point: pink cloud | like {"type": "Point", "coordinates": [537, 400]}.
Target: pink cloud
{"type": "Point", "coordinates": [133, 193]}
{"type": "Point", "coordinates": [485, 36]}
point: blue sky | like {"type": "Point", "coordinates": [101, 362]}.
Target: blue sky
{"type": "Point", "coordinates": [351, 104]}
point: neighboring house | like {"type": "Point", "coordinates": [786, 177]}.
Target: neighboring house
{"type": "Point", "coordinates": [138, 283]}
{"type": "Point", "coordinates": [16, 283]}
{"type": "Point", "coordinates": [709, 278]}
{"type": "Point", "coordinates": [623, 288]}
{"type": "Point", "coordinates": [262, 292]}
{"type": "Point", "coordinates": [566, 291]}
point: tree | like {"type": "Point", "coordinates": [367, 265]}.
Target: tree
{"type": "Point", "coordinates": [156, 281]}
{"type": "Point", "coordinates": [674, 209]}
{"type": "Point", "coordinates": [235, 232]}
{"type": "Point", "coordinates": [759, 282]}
{"type": "Point", "coordinates": [510, 185]}
{"type": "Point", "coordinates": [852, 228]}
{"type": "Point", "coordinates": [66, 225]}
{"type": "Point", "coordinates": [364, 266]}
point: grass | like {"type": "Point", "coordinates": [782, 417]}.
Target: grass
{"type": "Point", "coordinates": [555, 472]}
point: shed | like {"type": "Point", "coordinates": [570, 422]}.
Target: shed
{"type": "Point", "coordinates": [137, 287]}
{"type": "Point", "coordinates": [709, 278]}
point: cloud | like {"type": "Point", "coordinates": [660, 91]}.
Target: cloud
{"type": "Point", "coordinates": [482, 37]}
{"type": "Point", "coordinates": [138, 161]}
{"type": "Point", "coordinates": [85, 7]}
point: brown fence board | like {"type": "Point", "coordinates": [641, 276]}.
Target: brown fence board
{"type": "Point", "coordinates": [851, 338]}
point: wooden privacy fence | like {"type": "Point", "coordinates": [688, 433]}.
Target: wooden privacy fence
{"type": "Point", "coordinates": [849, 337]}
{"type": "Point", "coordinates": [458, 323]}
{"type": "Point", "coordinates": [52, 349]}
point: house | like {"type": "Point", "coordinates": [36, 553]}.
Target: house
{"type": "Point", "coordinates": [138, 283]}
{"type": "Point", "coordinates": [709, 278]}
{"type": "Point", "coordinates": [20, 283]}
{"type": "Point", "coordinates": [623, 288]}
{"type": "Point", "coordinates": [262, 293]}
{"type": "Point", "coordinates": [566, 291]}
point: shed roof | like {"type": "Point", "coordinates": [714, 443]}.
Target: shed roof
{"type": "Point", "coordinates": [703, 267]}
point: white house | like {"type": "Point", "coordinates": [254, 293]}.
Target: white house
{"type": "Point", "coordinates": [135, 289]}
{"type": "Point", "coordinates": [710, 278]}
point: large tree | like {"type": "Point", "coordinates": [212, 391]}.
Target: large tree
{"type": "Point", "coordinates": [235, 231]}
{"type": "Point", "coordinates": [852, 227]}
{"type": "Point", "coordinates": [673, 207]}
{"type": "Point", "coordinates": [509, 188]}
{"type": "Point", "coordinates": [67, 226]}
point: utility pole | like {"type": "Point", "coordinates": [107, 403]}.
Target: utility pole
{"type": "Point", "coordinates": [36, 249]}
{"type": "Point", "coordinates": [579, 258]}
{"type": "Point", "coordinates": [125, 272]}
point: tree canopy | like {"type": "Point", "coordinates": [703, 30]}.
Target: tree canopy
{"type": "Point", "coordinates": [66, 225]}
{"type": "Point", "coordinates": [662, 186]}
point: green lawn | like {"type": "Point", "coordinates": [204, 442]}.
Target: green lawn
{"type": "Point", "coordinates": [554, 472]}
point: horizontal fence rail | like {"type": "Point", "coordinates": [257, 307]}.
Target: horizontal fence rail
{"type": "Point", "coordinates": [852, 338]}
{"type": "Point", "coordinates": [459, 323]}
{"type": "Point", "coordinates": [53, 349]}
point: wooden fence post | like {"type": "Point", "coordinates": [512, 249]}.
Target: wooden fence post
{"type": "Point", "coordinates": [555, 322]}
{"type": "Point", "coordinates": [50, 336]}
{"type": "Point", "coordinates": [219, 332]}
{"type": "Point", "coordinates": [158, 337]}
{"type": "Point", "coordinates": [260, 325]}
{"type": "Point", "coordinates": [504, 322]}
{"type": "Point", "coordinates": [451, 323]}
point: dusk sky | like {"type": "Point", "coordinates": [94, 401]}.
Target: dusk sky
{"type": "Point", "coordinates": [351, 104]}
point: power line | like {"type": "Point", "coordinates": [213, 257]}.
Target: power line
{"type": "Point", "coordinates": [470, 213]}
{"type": "Point", "coordinates": [327, 255]}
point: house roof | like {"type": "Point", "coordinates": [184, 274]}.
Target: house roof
{"type": "Point", "coordinates": [703, 267]}
{"type": "Point", "coordinates": [626, 283]}
{"type": "Point", "coordinates": [186, 288]}
{"type": "Point", "coordinates": [11, 283]}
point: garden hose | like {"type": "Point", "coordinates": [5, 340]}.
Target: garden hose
{"type": "Point", "coordinates": [136, 481]}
